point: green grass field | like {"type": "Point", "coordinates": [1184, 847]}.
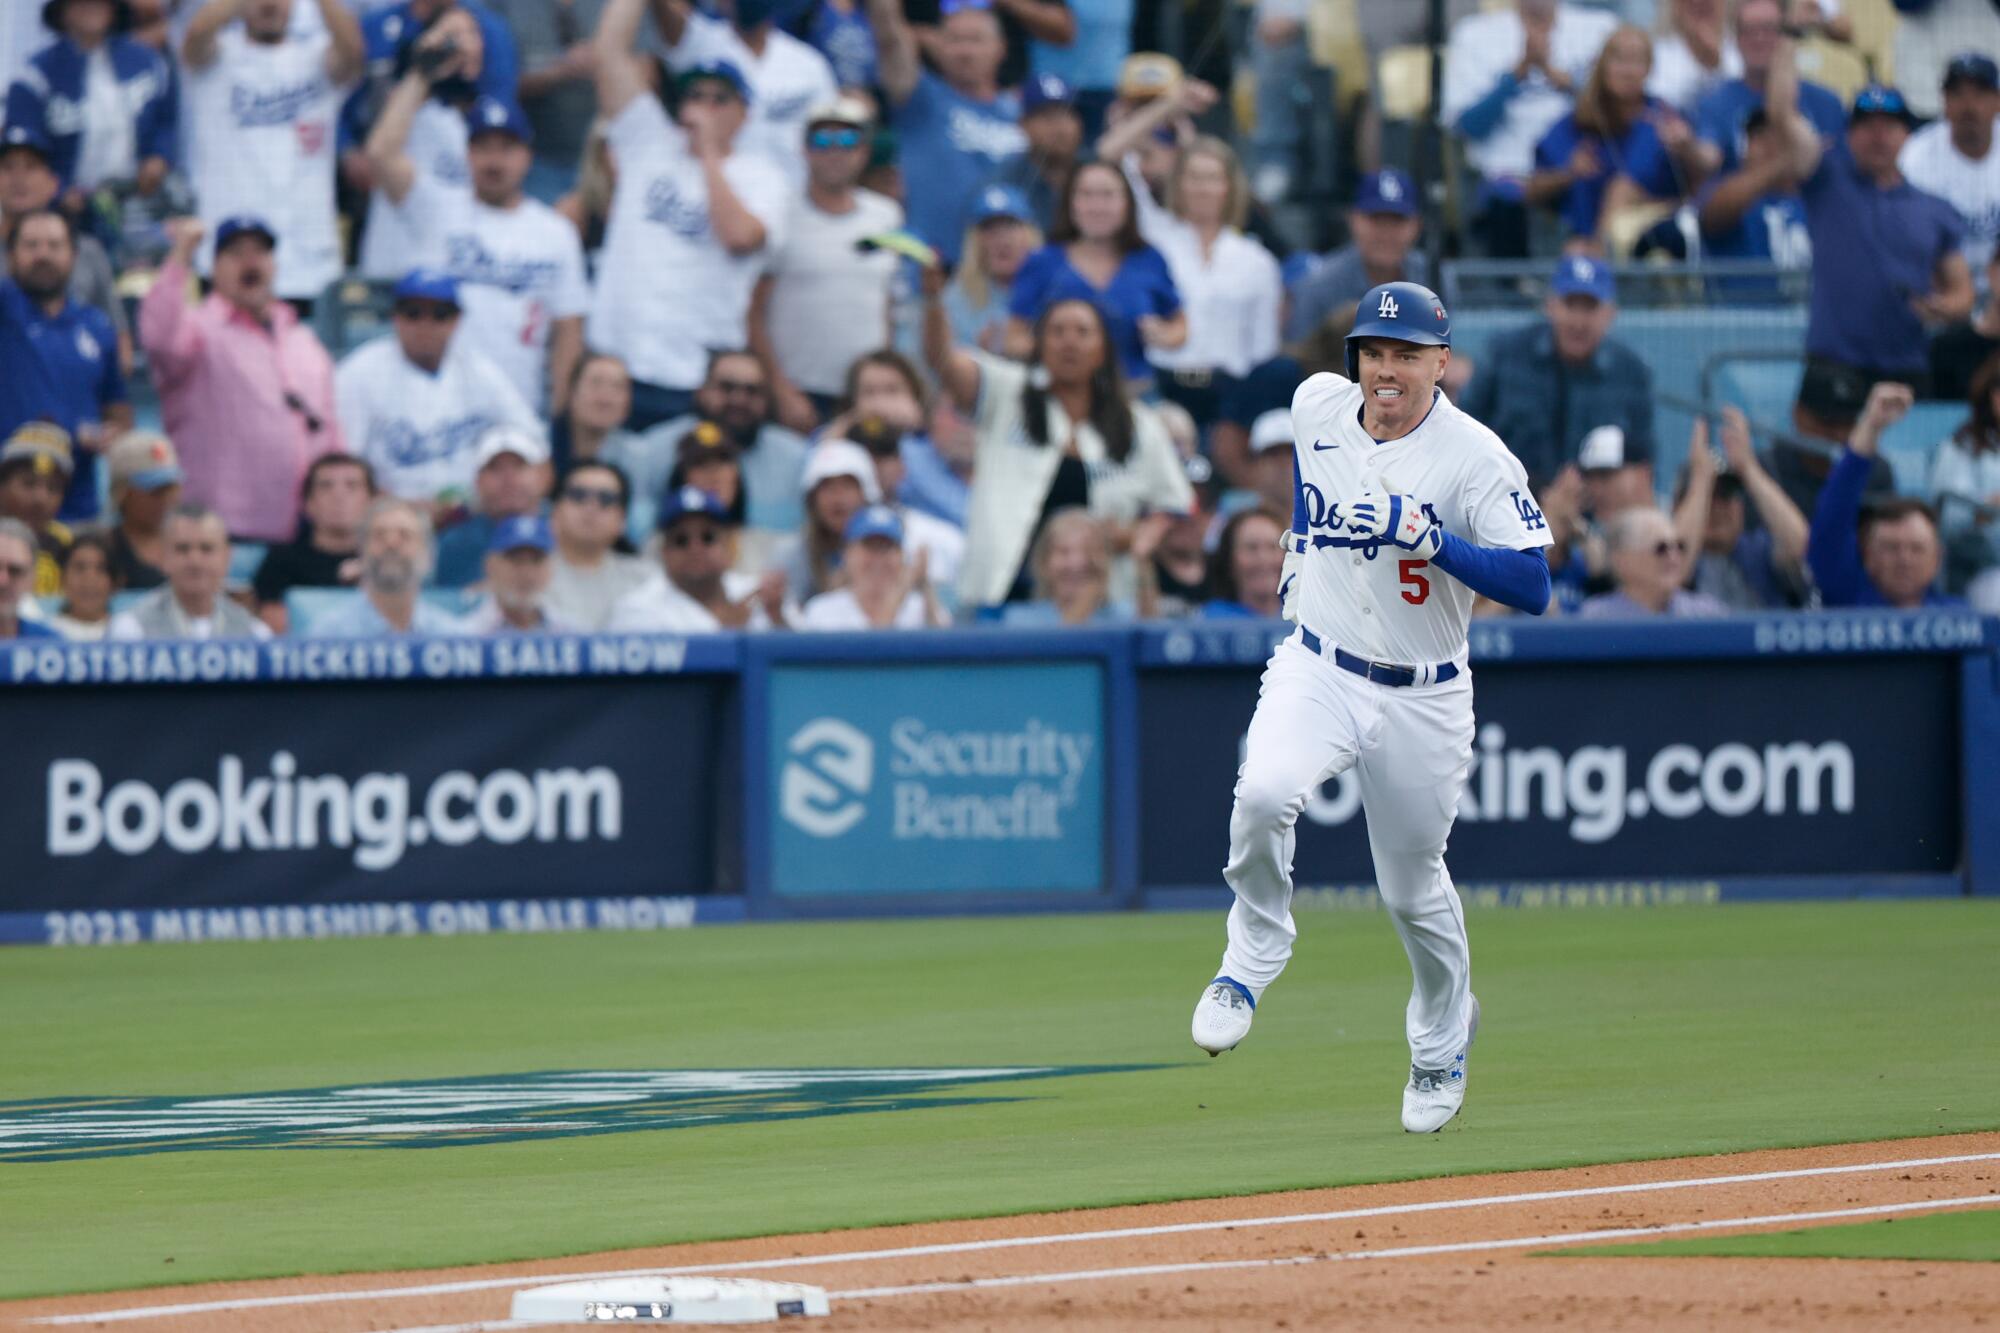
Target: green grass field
{"type": "Point", "coordinates": [1966, 1236]}
{"type": "Point", "coordinates": [1608, 1035]}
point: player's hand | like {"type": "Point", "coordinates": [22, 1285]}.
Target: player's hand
{"type": "Point", "coordinates": [1398, 520]}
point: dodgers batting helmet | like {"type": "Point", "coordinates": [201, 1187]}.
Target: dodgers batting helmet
{"type": "Point", "coordinates": [1406, 311]}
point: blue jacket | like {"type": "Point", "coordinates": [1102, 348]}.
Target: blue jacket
{"type": "Point", "coordinates": [1833, 548]}
{"type": "Point", "coordinates": [49, 97]}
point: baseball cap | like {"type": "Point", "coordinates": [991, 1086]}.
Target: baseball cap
{"type": "Point", "coordinates": [1580, 275]}
{"type": "Point", "coordinates": [1046, 90]}
{"type": "Point", "coordinates": [877, 436]}
{"type": "Point", "coordinates": [690, 500]}
{"type": "Point", "coordinates": [1002, 201]}
{"type": "Point", "coordinates": [1386, 191]}
{"type": "Point", "coordinates": [722, 70]}
{"type": "Point", "coordinates": [1271, 430]}
{"type": "Point", "coordinates": [840, 458]}
{"type": "Point", "coordinates": [1879, 99]}
{"type": "Point", "coordinates": [42, 443]}
{"type": "Point", "coordinates": [28, 137]}
{"type": "Point", "coordinates": [1604, 450]}
{"type": "Point", "coordinates": [842, 110]}
{"type": "Point", "coordinates": [144, 460]}
{"type": "Point", "coordinates": [496, 116]}
{"type": "Point", "coordinates": [1974, 68]}
{"type": "Point", "coordinates": [704, 442]}
{"type": "Point", "coordinates": [526, 445]}
{"type": "Point", "coordinates": [427, 284]}
{"type": "Point", "coordinates": [874, 521]}
{"type": "Point", "coordinates": [121, 15]}
{"type": "Point", "coordinates": [1148, 74]}
{"type": "Point", "coordinates": [243, 224]}
{"type": "Point", "coordinates": [521, 532]}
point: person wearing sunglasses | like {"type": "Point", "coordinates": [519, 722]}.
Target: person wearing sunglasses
{"type": "Point", "coordinates": [17, 577]}
{"type": "Point", "coordinates": [824, 300]}
{"type": "Point", "coordinates": [736, 396]}
{"type": "Point", "coordinates": [696, 591]}
{"type": "Point", "coordinates": [1649, 561]}
{"type": "Point", "coordinates": [594, 563]}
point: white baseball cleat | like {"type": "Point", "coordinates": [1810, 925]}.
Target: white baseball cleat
{"type": "Point", "coordinates": [1222, 1017]}
{"type": "Point", "coordinates": [1433, 1096]}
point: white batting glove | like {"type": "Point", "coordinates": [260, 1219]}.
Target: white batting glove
{"type": "Point", "coordinates": [1288, 581]}
{"type": "Point", "coordinates": [1399, 520]}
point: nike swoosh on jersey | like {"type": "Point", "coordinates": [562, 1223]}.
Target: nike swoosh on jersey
{"type": "Point", "coordinates": [1317, 446]}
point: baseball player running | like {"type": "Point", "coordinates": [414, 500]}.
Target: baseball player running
{"type": "Point", "coordinates": [1403, 508]}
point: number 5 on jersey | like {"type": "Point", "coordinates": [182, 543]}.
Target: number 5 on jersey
{"type": "Point", "coordinates": [1416, 588]}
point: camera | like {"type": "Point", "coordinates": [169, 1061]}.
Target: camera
{"type": "Point", "coordinates": [430, 59]}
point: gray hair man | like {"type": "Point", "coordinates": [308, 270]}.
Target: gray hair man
{"type": "Point", "coordinates": [396, 557]}
{"type": "Point", "coordinates": [193, 603]}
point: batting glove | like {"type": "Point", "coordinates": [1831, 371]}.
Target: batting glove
{"type": "Point", "coordinates": [1399, 520]}
{"type": "Point", "coordinates": [1288, 581]}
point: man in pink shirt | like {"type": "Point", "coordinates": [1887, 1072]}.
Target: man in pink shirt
{"type": "Point", "coordinates": [246, 389]}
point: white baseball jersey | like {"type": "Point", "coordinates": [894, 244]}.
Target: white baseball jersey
{"type": "Point", "coordinates": [1933, 164]}
{"type": "Point", "coordinates": [261, 122]}
{"type": "Point", "coordinates": [437, 145]}
{"type": "Point", "coordinates": [786, 83]}
{"type": "Point", "coordinates": [518, 270]}
{"type": "Point", "coordinates": [421, 431]}
{"type": "Point", "coordinates": [1374, 599]}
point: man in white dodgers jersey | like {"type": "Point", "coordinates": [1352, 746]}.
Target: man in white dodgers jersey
{"type": "Point", "coordinates": [1404, 508]}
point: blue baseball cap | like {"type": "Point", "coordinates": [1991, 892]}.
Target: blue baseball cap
{"type": "Point", "coordinates": [492, 115]}
{"type": "Point", "coordinates": [1580, 275]}
{"type": "Point", "coordinates": [690, 501]}
{"type": "Point", "coordinates": [1046, 90]}
{"type": "Point", "coordinates": [722, 70]}
{"type": "Point", "coordinates": [1879, 99]}
{"type": "Point", "coordinates": [28, 137]}
{"type": "Point", "coordinates": [874, 521]}
{"type": "Point", "coordinates": [1387, 191]}
{"type": "Point", "coordinates": [243, 224]}
{"type": "Point", "coordinates": [520, 533]}
{"type": "Point", "coordinates": [427, 284]}
{"type": "Point", "coordinates": [1974, 68]}
{"type": "Point", "coordinates": [1002, 201]}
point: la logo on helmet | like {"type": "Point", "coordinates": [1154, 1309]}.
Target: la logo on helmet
{"type": "Point", "coordinates": [1387, 307]}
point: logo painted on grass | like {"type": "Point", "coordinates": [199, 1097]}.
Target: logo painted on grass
{"type": "Point", "coordinates": [442, 1113]}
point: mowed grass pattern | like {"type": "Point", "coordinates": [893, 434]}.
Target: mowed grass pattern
{"type": "Point", "coordinates": [1608, 1035]}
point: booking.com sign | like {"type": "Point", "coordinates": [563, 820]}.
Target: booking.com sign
{"type": "Point", "coordinates": [972, 778]}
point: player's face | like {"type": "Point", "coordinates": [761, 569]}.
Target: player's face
{"type": "Point", "coordinates": [1901, 558]}
{"type": "Point", "coordinates": [1396, 382]}
{"type": "Point", "coordinates": [499, 164]}
{"type": "Point", "coordinates": [196, 559]}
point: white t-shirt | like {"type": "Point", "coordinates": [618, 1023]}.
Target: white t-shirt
{"type": "Point", "coordinates": [786, 83]}
{"type": "Point", "coordinates": [437, 147]}
{"type": "Point", "coordinates": [830, 302]}
{"type": "Point", "coordinates": [420, 431]}
{"type": "Point", "coordinates": [261, 127]}
{"type": "Point", "coordinates": [1933, 163]}
{"type": "Point", "coordinates": [658, 607]}
{"type": "Point", "coordinates": [1374, 599]}
{"type": "Point", "coordinates": [1232, 298]}
{"type": "Point", "coordinates": [1485, 46]}
{"type": "Point", "coordinates": [1680, 80]}
{"type": "Point", "coordinates": [519, 269]}
{"type": "Point", "coordinates": [668, 292]}
{"type": "Point", "coordinates": [838, 611]}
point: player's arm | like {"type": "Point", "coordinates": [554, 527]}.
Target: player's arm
{"type": "Point", "coordinates": [1516, 578]}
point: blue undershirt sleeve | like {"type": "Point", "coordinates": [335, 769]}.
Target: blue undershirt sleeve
{"type": "Point", "coordinates": [1484, 116]}
{"type": "Point", "coordinates": [1519, 579]}
{"type": "Point", "coordinates": [1299, 521]}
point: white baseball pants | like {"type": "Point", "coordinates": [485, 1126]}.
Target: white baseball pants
{"type": "Point", "coordinates": [1411, 748]}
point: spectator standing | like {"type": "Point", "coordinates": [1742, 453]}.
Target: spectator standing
{"type": "Point", "coordinates": [1088, 54]}
{"type": "Point", "coordinates": [1248, 566]}
{"type": "Point", "coordinates": [1559, 380]}
{"type": "Point", "coordinates": [1954, 158]}
{"type": "Point", "coordinates": [333, 502]}
{"type": "Point", "coordinates": [840, 32]}
{"type": "Point", "coordinates": [1754, 211]}
{"type": "Point", "coordinates": [1693, 54]}
{"type": "Point", "coordinates": [1722, 115]}
{"type": "Point", "coordinates": [17, 573]}
{"type": "Point", "coordinates": [518, 263]}
{"type": "Point", "coordinates": [696, 590]}
{"type": "Point", "coordinates": [35, 466]}
{"type": "Point", "coordinates": [1382, 230]}
{"type": "Point", "coordinates": [1002, 235]}
{"type": "Point", "coordinates": [1889, 554]}
{"type": "Point", "coordinates": [1886, 262]}
{"type": "Point", "coordinates": [1070, 571]}
{"type": "Point", "coordinates": [1022, 23]}
{"type": "Point", "coordinates": [1649, 563]}
{"type": "Point", "coordinates": [28, 183]}
{"type": "Point", "coordinates": [1929, 33]}
{"type": "Point", "coordinates": [594, 566]}
{"type": "Point", "coordinates": [1965, 480]}
{"type": "Point", "coordinates": [263, 108]}
{"type": "Point", "coordinates": [592, 422]}
{"type": "Point", "coordinates": [242, 381]}
{"type": "Point", "coordinates": [736, 395]}
{"type": "Point", "coordinates": [787, 77]}
{"type": "Point", "coordinates": [692, 220]}
{"type": "Point", "coordinates": [395, 561]}
{"type": "Point", "coordinates": [1054, 133]}
{"type": "Point", "coordinates": [1745, 568]}
{"type": "Point", "coordinates": [518, 569]}
{"type": "Point", "coordinates": [1097, 255]}
{"type": "Point", "coordinates": [1960, 350]}
{"type": "Point", "coordinates": [192, 603]}
{"type": "Point", "coordinates": [955, 129]}
{"type": "Point", "coordinates": [1510, 74]}
{"type": "Point", "coordinates": [104, 99]}
{"type": "Point", "coordinates": [839, 482]}
{"type": "Point", "coordinates": [415, 404]}
{"type": "Point", "coordinates": [146, 480]}
{"type": "Point", "coordinates": [58, 360]}
{"type": "Point", "coordinates": [885, 386]}
{"type": "Point", "coordinates": [884, 587]}
{"type": "Point", "coordinates": [87, 585]}
{"type": "Point", "coordinates": [823, 299]}
{"type": "Point", "coordinates": [512, 482]}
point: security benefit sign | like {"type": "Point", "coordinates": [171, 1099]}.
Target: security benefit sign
{"type": "Point", "coordinates": [200, 796]}
{"type": "Point", "coordinates": [1709, 768]}
{"type": "Point", "coordinates": [892, 779]}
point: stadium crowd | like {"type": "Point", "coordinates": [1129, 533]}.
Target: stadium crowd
{"type": "Point", "coordinates": [869, 314]}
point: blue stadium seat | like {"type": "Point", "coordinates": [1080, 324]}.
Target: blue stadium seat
{"type": "Point", "coordinates": [1765, 390]}
{"type": "Point", "coordinates": [1912, 443]}
{"type": "Point", "coordinates": [244, 558]}
{"type": "Point", "coordinates": [303, 606]}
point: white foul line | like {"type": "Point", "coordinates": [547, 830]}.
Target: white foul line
{"type": "Point", "coordinates": [999, 1243]}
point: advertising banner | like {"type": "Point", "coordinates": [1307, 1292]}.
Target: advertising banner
{"type": "Point", "coordinates": [897, 779]}
{"type": "Point", "coordinates": [1711, 768]}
